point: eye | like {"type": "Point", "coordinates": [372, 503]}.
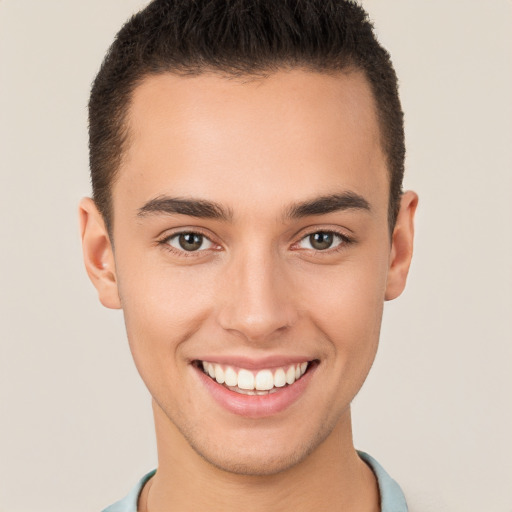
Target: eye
{"type": "Point", "coordinates": [321, 241]}
{"type": "Point", "coordinates": [189, 242]}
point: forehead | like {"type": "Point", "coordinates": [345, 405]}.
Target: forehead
{"type": "Point", "coordinates": [276, 139]}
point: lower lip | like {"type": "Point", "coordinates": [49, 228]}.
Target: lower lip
{"type": "Point", "coordinates": [256, 406]}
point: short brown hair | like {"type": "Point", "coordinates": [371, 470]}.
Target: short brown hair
{"type": "Point", "coordinates": [238, 38]}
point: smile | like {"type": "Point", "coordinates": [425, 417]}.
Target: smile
{"type": "Point", "coordinates": [261, 382]}
{"type": "Point", "coordinates": [255, 389]}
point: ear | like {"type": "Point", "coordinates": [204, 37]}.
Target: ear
{"type": "Point", "coordinates": [98, 253]}
{"type": "Point", "coordinates": [401, 246]}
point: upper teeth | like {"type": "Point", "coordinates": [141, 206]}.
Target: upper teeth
{"type": "Point", "coordinates": [262, 380]}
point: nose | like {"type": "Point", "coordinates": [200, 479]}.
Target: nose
{"type": "Point", "coordinates": [257, 300]}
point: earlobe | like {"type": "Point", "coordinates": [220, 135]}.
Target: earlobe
{"type": "Point", "coordinates": [402, 246]}
{"type": "Point", "coordinates": [98, 253]}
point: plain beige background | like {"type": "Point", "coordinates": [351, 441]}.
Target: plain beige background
{"type": "Point", "coordinates": [75, 422]}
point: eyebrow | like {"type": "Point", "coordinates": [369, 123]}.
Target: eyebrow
{"type": "Point", "coordinates": [204, 209]}
{"type": "Point", "coordinates": [327, 204]}
{"type": "Point", "coordinates": [181, 206]}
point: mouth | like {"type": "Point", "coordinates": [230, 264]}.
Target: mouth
{"type": "Point", "coordinates": [265, 381]}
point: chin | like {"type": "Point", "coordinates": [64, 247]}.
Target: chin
{"type": "Point", "coordinates": [265, 456]}
{"type": "Point", "coordinates": [252, 464]}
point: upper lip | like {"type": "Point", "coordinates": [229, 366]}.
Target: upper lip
{"type": "Point", "coordinates": [250, 363]}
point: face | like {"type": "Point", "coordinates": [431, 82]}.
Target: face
{"type": "Point", "coordinates": [252, 258]}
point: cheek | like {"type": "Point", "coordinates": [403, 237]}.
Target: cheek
{"type": "Point", "coordinates": [347, 305]}
{"type": "Point", "coordinates": [162, 308]}
{"type": "Point", "coordinates": [353, 329]}
{"type": "Point", "coordinates": [352, 319]}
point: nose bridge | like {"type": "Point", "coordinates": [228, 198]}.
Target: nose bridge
{"type": "Point", "coordinates": [257, 302]}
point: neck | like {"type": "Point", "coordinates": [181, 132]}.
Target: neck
{"type": "Point", "coordinates": [331, 477]}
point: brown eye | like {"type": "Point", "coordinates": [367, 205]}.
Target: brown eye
{"type": "Point", "coordinates": [189, 242]}
{"type": "Point", "coordinates": [322, 240]}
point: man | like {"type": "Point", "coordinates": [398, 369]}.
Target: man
{"type": "Point", "coordinates": [247, 161]}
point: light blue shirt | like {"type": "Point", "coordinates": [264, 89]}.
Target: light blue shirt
{"type": "Point", "coordinates": [391, 496]}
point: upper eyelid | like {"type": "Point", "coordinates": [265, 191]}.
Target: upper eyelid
{"type": "Point", "coordinates": [330, 228]}
{"type": "Point", "coordinates": [343, 238]}
{"type": "Point", "coordinates": [336, 233]}
{"type": "Point", "coordinates": [311, 231]}
{"type": "Point", "coordinates": [166, 235]}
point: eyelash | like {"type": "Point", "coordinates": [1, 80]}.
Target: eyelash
{"type": "Point", "coordinates": [164, 242]}
{"type": "Point", "coordinates": [345, 241]}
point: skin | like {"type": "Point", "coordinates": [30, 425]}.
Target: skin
{"type": "Point", "coordinates": [255, 148]}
